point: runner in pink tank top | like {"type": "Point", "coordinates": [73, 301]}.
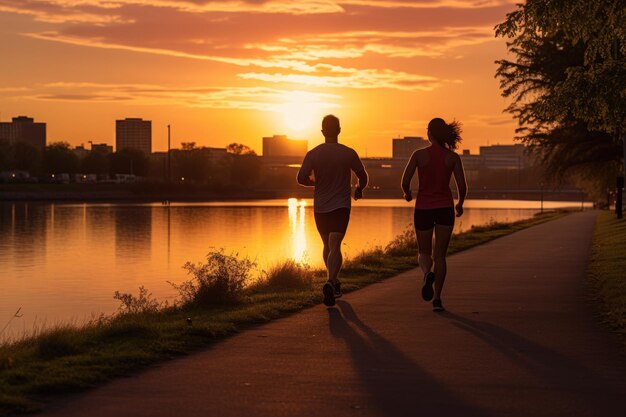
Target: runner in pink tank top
{"type": "Point", "coordinates": [434, 181]}
{"type": "Point", "coordinates": [434, 205]}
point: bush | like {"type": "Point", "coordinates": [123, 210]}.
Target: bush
{"type": "Point", "coordinates": [222, 279]}
{"type": "Point", "coordinates": [289, 275]}
{"type": "Point", "coordinates": [403, 244]}
{"type": "Point", "coordinates": [373, 258]}
{"type": "Point", "coordinates": [144, 303]}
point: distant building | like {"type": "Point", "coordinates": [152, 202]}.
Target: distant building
{"type": "Point", "coordinates": [214, 155]}
{"type": "Point", "coordinates": [133, 133]}
{"type": "Point", "coordinates": [472, 162]}
{"type": "Point", "coordinates": [403, 148]}
{"type": "Point", "coordinates": [24, 129]}
{"type": "Point", "coordinates": [80, 151]}
{"type": "Point", "coordinates": [505, 156]}
{"type": "Point", "coordinates": [102, 148]}
{"type": "Point", "coordinates": [280, 145]}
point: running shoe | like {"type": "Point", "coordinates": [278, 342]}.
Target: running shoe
{"type": "Point", "coordinates": [427, 289]}
{"type": "Point", "coordinates": [438, 306]}
{"type": "Point", "coordinates": [329, 294]}
{"type": "Point", "coordinates": [337, 286]}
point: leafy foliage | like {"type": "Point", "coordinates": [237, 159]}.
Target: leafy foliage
{"type": "Point", "coordinates": [239, 149]}
{"type": "Point", "coordinates": [221, 279]}
{"type": "Point", "coordinates": [59, 158]}
{"type": "Point", "coordinates": [567, 82]}
{"type": "Point", "coordinates": [129, 161]}
{"type": "Point", "coordinates": [143, 303]}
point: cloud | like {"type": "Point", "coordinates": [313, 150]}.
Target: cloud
{"type": "Point", "coordinates": [352, 78]}
{"type": "Point", "coordinates": [350, 45]}
{"type": "Point", "coordinates": [311, 43]}
{"type": "Point", "coordinates": [490, 120]}
{"type": "Point", "coordinates": [95, 11]}
{"type": "Point", "coordinates": [254, 98]}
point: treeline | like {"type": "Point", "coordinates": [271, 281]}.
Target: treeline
{"type": "Point", "coordinates": [238, 167]}
{"type": "Point", "coordinates": [58, 158]}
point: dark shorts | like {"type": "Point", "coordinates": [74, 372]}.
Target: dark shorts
{"type": "Point", "coordinates": [334, 221]}
{"type": "Point", "coordinates": [426, 219]}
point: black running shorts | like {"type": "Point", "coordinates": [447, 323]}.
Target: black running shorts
{"type": "Point", "coordinates": [426, 219]}
{"type": "Point", "coordinates": [334, 221]}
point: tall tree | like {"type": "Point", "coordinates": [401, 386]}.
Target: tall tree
{"type": "Point", "coordinates": [129, 161]}
{"type": "Point", "coordinates": [26, 157]}
{"type": "Point", "coordinates": [239, 149]}
{"type": "Point", "coordinates": [95, 163]}
{"type": "Point", "coordinates": [568, 81]}
{"type": "Point", "coordinates": [58, 158]}
{"type": "Point", "coordinates": [6, 150]}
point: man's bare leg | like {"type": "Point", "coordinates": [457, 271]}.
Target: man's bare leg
{"type": "Point", "coordinates": [334, 259]}
{"type": "Point", "coordinates": [326, 251]}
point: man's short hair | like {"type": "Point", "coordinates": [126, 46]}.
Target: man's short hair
{"type": "Point", "coordinates": [330, 124]}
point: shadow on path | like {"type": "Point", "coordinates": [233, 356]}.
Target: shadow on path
{"type": "Point", "coordinates": [565, 375]}
{"type": "Point", "coordinates": [395, 384]}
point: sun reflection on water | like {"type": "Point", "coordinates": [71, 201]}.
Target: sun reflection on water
{"type": "Point", "coordinates": [297, 220]}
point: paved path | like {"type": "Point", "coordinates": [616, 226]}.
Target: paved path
{"type": "Point", "coordinates": [518, 340]}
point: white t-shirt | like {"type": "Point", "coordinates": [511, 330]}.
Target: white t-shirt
{"type": "Point", "coordinates": [331, 165]}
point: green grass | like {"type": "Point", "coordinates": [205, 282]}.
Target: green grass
{"type": "Point", "coordinates": [606, 271]}
{"type": "Point", "coordinates": [71, 358]}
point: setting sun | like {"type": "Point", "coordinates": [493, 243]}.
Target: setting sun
{"type": "Point", "coordinates": [301, 111]}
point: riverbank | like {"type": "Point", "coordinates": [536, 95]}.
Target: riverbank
{"type": "Point", "coordinates": [68, 359]}
{"type": "Point", "coordinates": [606, 272]}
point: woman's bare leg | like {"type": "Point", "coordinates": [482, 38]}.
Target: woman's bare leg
{"type": "Point", "coordinates": [442, 240]}
{"type": "Point", "coordinates": [425, 249]}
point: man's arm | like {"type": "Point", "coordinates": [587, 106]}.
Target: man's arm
{"type": "Point", "coordinates": [361, 174]}
{"type": "Point", "coordinates": [304, 175]}
{"type": "Point", "coordinates": [409, 171]}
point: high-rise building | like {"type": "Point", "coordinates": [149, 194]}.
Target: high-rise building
{"type": "Point", "coordinates": [280, 145]}
{"type": "Point", "coordinates": [24, 129]}
{"type": "Point", "coordinates": [133, 133]}
{"type": "Point", "coordinates": [403, 148]}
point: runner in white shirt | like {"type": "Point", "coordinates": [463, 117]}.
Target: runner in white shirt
{"type": "Point", "coordinates": [328, 167]}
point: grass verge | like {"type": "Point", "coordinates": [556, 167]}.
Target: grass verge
{"type": "Point", "coordinates": [606, 272]}
{"type": "Point", "coordinates": [69, 359]}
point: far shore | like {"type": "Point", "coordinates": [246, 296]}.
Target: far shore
{"type": "Point", "coordinates": [140, 192]}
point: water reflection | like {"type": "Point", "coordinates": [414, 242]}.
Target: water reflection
{"type": "Point", "coordinates": [297, 220]}
{"type": "Point", "coordinates": [65, 261]}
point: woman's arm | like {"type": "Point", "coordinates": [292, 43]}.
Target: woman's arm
{"type": "Point", "coordinates": [461, 185]}
{"type": "Point", "coordinates": [409, 170]}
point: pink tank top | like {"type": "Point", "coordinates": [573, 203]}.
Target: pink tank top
{"type": "Point", "coordinates": [434, 181]}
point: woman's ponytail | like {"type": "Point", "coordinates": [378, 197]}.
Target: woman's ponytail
{"type": "Point", "coordinates": [444, 133]}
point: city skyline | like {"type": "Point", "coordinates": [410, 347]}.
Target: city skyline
{"type": "Point", "coordinates": [81, 144]}
{"type": "Point", "coordinates": [384, 68]}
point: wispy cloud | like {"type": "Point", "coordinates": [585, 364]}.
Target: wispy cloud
{"type": "Point", "coordinates": [311, 43]}
{"type": "Point", "coordinates": [96, 11]}
{"type": "Point", "coordinates": [354, 78]}
{"type": "Point", "coordinates": [255, 98]}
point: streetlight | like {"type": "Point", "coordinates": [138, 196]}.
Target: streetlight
{"type": "Point", "coordinates": [169, 161]}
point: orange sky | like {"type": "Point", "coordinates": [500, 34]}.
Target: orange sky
{"type": "Point", "coordinates": [237, 70]}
